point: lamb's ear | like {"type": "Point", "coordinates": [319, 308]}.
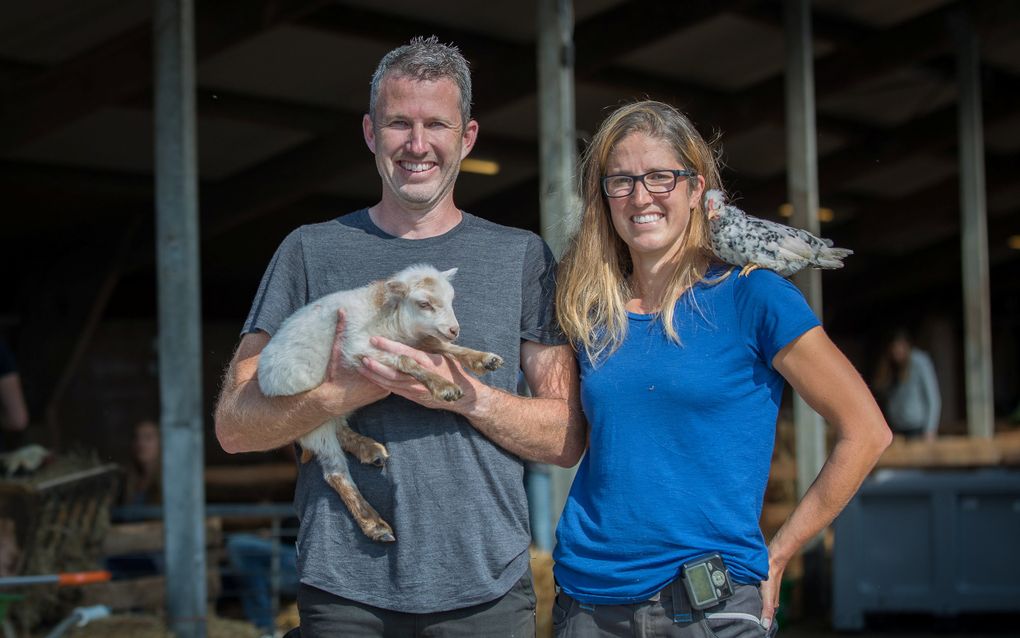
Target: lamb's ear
{"type": "Point", "coordinates": [396, 289]}
{"type": "Point", "coordinates": [449, 273]}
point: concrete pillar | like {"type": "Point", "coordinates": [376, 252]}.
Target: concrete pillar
{"type": "Point", "coordinates": [180, 373]}
{"type": "Point", "coordinates": [560, 204]}
{"type": "Point", "coordinates": [977, 312]}
{"type": "Point", "coordinates": [802, 184]}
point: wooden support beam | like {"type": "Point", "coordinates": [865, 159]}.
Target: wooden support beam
{"type": "Point", "coordinates": [977, 321]}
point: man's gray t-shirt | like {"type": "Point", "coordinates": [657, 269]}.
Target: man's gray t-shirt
{"type": "Point", "coordinates": [455, 500]}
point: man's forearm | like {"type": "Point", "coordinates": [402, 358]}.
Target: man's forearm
{"type": "Point", "coordinates": [540, 429]}
{"type": "Point", "coordinates": [548, 427]}
{"type": "Point", "coordinates": [249, 421]}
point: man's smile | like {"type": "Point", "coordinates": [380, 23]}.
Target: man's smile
{"type": "Point", "coordinates": [416, 167]}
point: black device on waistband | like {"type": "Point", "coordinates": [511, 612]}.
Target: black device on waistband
{"type": "Point", "coordinates": [706, 580]}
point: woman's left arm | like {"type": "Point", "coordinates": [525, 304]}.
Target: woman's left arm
{"type": "Point", "coordinates": [828, 382]}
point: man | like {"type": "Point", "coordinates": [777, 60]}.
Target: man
{"type": "Point", "coordinates": [452, 488]}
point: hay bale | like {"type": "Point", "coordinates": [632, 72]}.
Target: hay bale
{"type": "Point", "coordinates": [288, 618]}
{"type": "Point", "coordinates": [545, 591]}
{"type": "Point", "coordinates": [60, 515]}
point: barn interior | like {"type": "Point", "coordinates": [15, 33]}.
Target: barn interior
{"type": "Point", "coordinates": [281, 88]}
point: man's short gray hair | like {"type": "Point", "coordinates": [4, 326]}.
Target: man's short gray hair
{"type": "Point", "coordinates": [425, 60]}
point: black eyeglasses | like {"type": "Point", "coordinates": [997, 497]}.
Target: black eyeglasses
{"type": "Point", "coordinates": [654, 181]}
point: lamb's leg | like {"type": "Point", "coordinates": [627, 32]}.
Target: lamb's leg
{"type": "Point", "coordinates": [365, 449]}
{"type": "Point", "coordinates": [364, 514]}
{"type": "Point", "coordinates": [439, 387]}
{"type": "Point", "coordinates": [324, 442]}
{"type": "Point", "coordinates": [475, 360]}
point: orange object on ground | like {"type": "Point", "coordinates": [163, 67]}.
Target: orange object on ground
{"type": "Point", "coordinates": [83, 578]}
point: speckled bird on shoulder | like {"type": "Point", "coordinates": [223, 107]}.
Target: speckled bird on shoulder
{"type": "Point", "coordinates": [747, 241]}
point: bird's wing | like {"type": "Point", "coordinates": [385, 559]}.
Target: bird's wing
{"type": "Point", "coordinates": [782, 239]}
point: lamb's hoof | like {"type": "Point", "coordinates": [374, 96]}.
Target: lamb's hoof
{"type": "Point", "coordinates": [375, 455]}
{"type": "Point", "coordinates": [492, 362]}
{"type": "Point", "coordinates": [485, 362]}
{"type": "Point", "coordinates": [379, 459]}
{"type": "Point", "coordinates": [365, 449]}
{"type": "Point", "coordinates": [451, 393]}
{"type": "Point", "coordinates": [380, 532]}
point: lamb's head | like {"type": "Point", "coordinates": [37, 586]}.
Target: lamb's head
{"type": "Point", "coordinates": [421, 301]}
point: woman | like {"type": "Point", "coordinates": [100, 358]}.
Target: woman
{"type": "Point", "coordinates": [906, 379]}
{"type": "Point", "coordinates": [142, 485]}
{"type": "Point", "coordinates": [683, 364]}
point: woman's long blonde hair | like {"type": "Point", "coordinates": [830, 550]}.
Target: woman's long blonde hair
{"type": "Point", "coordinates": [592, 285]}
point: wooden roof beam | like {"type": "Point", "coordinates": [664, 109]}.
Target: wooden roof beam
{"type": "Point", "coordinates": [122, 66]}
{"type": "Point", "coordinates": [918, 272]}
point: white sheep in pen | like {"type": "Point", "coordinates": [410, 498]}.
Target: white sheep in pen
{"type": "Point", "coordinates": [414, 307]}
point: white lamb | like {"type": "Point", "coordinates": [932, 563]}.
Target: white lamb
{"type": "Point", "coordinates": [414, 307]}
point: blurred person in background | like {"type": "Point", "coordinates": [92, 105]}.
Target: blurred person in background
{"type": "Point", "coordinates": [142, 483]}
{"type": "Point", "coordinates": [13, 409]}
{"type": "Point", "coordinates": [909, 390]}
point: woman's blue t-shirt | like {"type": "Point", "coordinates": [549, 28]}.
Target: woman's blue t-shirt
{"type": "Point", "coordinates": [681, 441]}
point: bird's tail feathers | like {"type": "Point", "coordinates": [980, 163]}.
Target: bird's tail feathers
{"type": "Point", "coordinates": [832, 258]}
